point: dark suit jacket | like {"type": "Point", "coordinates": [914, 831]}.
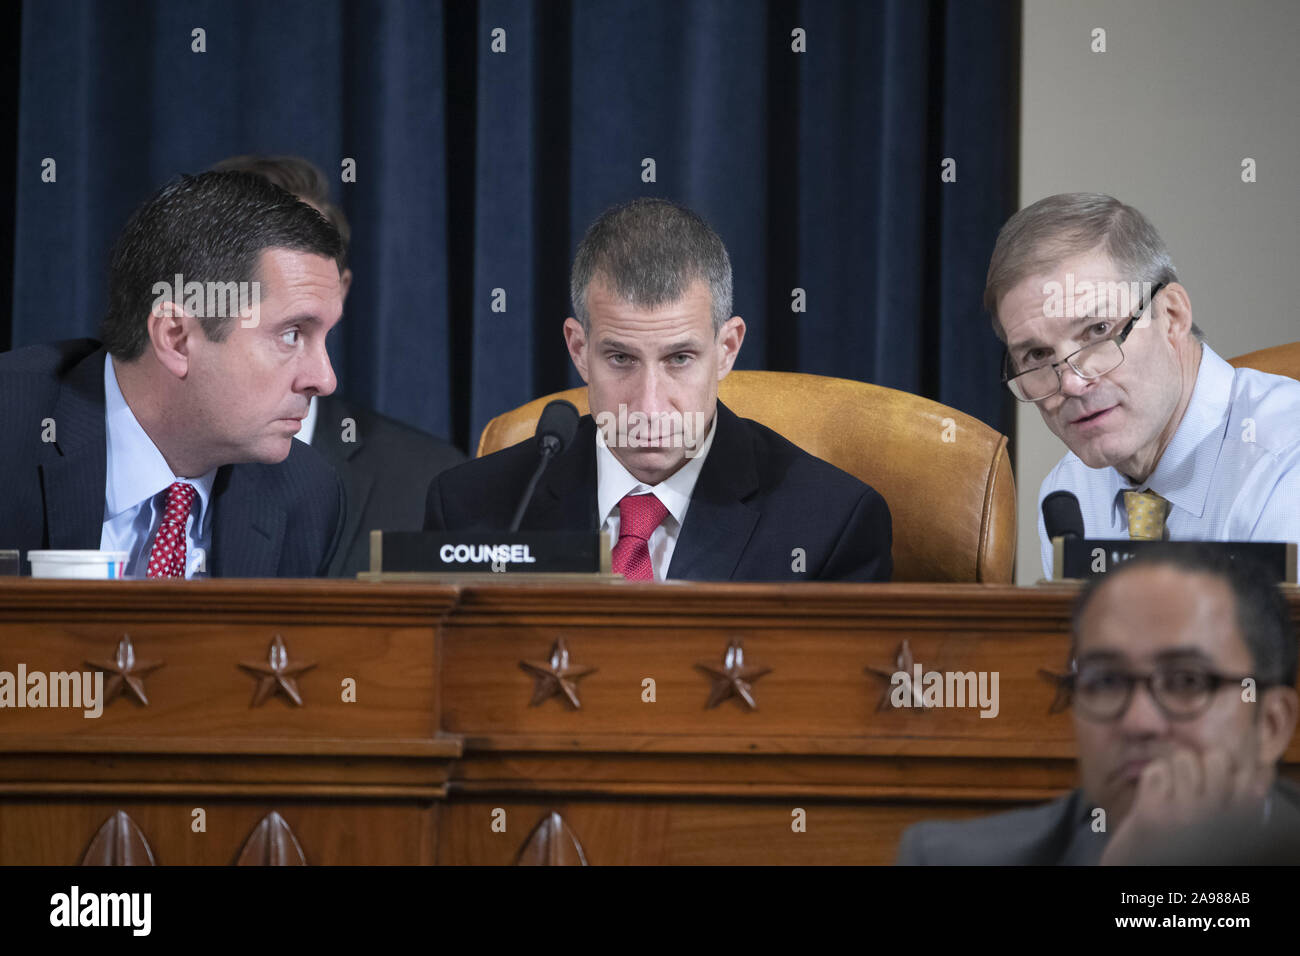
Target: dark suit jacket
{"type": "Point", "coordinates": [757, 499]}
{"type": "Point", "coordinates": [386, 472]}
{"type": "Point", "coordinates": [280, 520]}
{"type": "Point", "coordinates": [1060, 833]}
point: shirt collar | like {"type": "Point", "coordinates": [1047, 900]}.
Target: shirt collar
{"type": "Point", "coordinates": [1183, 474]}
{"type": "Point", "coordinates": [137, 470]}
{"type": "Point", "coordinates": [614, 482]}
{"type": "Point", "coordinates": [308, 429]}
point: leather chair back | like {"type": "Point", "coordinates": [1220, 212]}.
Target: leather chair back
{"type": "Point", "coordinates": [946, 476]}
{"type": "Point", "coordinates": [1278, 360]}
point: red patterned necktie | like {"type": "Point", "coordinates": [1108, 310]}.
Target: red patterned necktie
{"type": "Point", "coordinates": [167, 559]}
{"type": "Point", "coordinates": [638, 516]}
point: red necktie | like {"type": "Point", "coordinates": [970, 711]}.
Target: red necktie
{"type": "Point", "coordinates": [638, 516]}
{"type": "Point", "coordinates": [167, 559]}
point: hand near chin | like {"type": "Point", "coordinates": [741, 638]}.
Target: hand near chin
{"type": "Point", "coordinates": [1185, 792]}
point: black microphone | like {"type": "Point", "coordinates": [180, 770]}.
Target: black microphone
{"type": "Point", "coordinates": [1061, 515]}
{"type": "Point", "coordinates": [556, 427]}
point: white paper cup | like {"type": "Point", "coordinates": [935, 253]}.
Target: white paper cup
{"type": "Point", "coordinates": [101, 565]}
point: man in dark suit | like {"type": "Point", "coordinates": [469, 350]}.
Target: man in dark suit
{"type": "Point", "coordinates": [685, 487]}
{"type": "Point", "coordinates": [385, 464]}
{"type": "Point", "coordinates": [173, 440]}
{"type": "Point", "coordinates": [1183, 690]}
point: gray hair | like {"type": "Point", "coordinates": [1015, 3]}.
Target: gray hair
{"type": "Point", "coordinates": [649, 251]}
{"type": "Point", "coordinates": [1040, 237]}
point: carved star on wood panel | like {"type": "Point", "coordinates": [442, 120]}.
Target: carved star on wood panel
{"type": "Point", "coordinates": [556, 676]}
{"type": "Point", "coordinates": [734, 678]}
{"type": "Point", "coordinates": [904, 662]}
{"type": "Point", "coordinates": [127, 672]}
{"type": "Point", "coordinates": [277, 674]}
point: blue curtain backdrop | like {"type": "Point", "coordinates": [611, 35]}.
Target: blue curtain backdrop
{"type": "Point", "coordinates": [479, 170]}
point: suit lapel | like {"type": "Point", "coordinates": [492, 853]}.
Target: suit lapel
{"type": "Point", "coordinates": [719, 523]}
{"type": "Point", "coordinates": [74, 468]}
{"type": "Point", "coordinates": [247, 525]}
{"type": "Point", "coordinates": [566, 495]}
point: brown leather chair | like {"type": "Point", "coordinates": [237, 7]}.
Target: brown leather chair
{"type": "Point", "coordinates": [953, 502]}
{"type": "Point", "coordinates": [1279, 360]}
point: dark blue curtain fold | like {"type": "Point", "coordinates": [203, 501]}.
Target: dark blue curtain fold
{"type": "Point", "coordinates": [478, 171]}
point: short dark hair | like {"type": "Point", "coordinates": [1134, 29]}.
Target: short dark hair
{"type": "Point", "coordinates": [299, 176]}
{"type": "Point", "coordinates": [1263, 616]}
{"type": "Point", "coordinates": [650, 251]}
{"type": "Point", "coordinates": [211, 227]}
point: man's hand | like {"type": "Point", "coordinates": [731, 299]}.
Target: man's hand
{"type": "Point", "coordinates": [1184, 790]}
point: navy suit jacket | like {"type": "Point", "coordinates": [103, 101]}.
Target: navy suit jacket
{"type": "Point", "coordinates": [386, 469]}
{"type": "Point", "coordinates": [280, 520]}
{"type": "Point", "coordinates": [1060, 833]}
{"type": "Point", "coordinates": [757, 499]}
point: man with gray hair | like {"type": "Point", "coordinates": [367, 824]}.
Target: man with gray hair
{"type": "Point", "coordinates": [685, 487]}
{"type": "Point", "coordinates": [1166, 439]}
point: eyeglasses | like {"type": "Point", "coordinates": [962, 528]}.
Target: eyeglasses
{"type": "Point", "coordinates": [1092, 361]}
{"type": "Point", "coordinates": [1181, 693]}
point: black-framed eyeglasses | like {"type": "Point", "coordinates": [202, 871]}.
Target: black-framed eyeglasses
{"type": "Point", "coordinates": [1092, 361]}
{"type": "Point", "coordinates": [1103, 693]}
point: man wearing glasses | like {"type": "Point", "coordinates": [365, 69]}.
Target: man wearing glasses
{"type": "Point", "coordinates": [1166, 439]}
{"type": "Point", "coordinates": [1182, 683]}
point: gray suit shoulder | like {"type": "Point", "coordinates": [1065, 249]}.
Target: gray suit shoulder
{"type": "Point", "coordinates": [1029, 836]}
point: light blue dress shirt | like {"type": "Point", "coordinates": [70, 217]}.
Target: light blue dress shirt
{"type": "Point", "coordinates": [135, 492]}
{"type": "Point", "coordinates": [1231, 472]}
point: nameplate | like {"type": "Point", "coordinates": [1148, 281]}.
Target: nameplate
{"type": "Point", "coordinates": [1081, 558]}
{"type": "Point", "coordinates": [477, 552]}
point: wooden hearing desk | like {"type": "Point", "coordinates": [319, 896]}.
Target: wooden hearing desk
{"type": "Point", "coordinates": [420, 737]}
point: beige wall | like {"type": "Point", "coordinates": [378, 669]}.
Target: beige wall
{"type": "Point", "coordinates": [1162, 120]}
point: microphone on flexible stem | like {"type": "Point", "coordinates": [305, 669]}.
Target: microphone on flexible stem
{"type": "Point", "coordinates": [555, 429]}
{"type": "Point", "coordinates": [1061, 516]}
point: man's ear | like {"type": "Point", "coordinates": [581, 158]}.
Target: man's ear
{"type": "Point", "coordinates": [730, 337]}
{"type": "Point", "coordinates": [1277, 722]}
{"type": "Point", "coordinates": [576, 340]}
{"type": "Point", "coordinates": [345, 283]}
{"type": "Point", "coordinates": [169, 327]}
{"type": "Point", "coordinates": [1177, 305]}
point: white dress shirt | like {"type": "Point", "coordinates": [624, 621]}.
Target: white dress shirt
{"type": "Point", "coordinates": [308, 429]}
{"type": "Point", "coordinates": [613, 482]}
{"type": "Point", "coordinates": [135, 491]}
{"type": "Point", "coordinates": [1231, 472]}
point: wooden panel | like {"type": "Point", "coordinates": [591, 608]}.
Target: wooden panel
{"type": "Point", "coordinates": [650, 832]}
{"type": "Point", "coordinates": [442, 731]}
{"type": "Point", "coordinates": [381, 638]}
{"type": "Point", "coordinates": [202, 684]}
{"type": "Point", "coordinates": [819, 686]}
{"type": "Point", "coordinates": [57, 832]}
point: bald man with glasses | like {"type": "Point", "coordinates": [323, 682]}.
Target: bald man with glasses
{"type": "Point", "coordinates": [1182, 681]}
{"type": "Point", "coordinates": [1166, 439]}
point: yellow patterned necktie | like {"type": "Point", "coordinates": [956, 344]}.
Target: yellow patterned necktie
{"type": "Point", "coordinates": [1147, 512]}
